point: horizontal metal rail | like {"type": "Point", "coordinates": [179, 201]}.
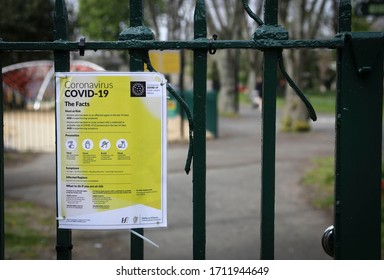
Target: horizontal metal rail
{"type": "Point", "coordinates": [204, 44]}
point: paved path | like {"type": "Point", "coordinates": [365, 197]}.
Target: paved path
{"type": "Point", "coordinates": [233, 197]}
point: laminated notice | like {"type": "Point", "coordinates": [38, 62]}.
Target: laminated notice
{"type": "Point", "coordinates": [111, 150]}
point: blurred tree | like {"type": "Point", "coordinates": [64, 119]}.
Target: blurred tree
{"type": "Point", "coordinates": [103, 19]}
{"type": "Point", "coordinates": [303, 20]}
{"type": "Point", "coordinates": [179, 18]}
{"type": "Point", "coordinates": [227, 19]}
{"type": "Point", "coordinates": [254, 58]}
{"type": "Point", "coordinates": [307, 19]}
{"type": "Point", "coordinates": [22, 20]}
{"type": "Point", "coordinates": [106, 19]}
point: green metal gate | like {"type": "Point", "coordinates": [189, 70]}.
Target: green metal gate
{"type": "Point", "coordinates": [357, 217]}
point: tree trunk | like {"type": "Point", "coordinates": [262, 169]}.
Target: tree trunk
{"type": "Point", "coordinates": [227, 93]}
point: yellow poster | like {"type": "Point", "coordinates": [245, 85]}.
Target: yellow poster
{"type": "Point", "coordinates": [111, 150]}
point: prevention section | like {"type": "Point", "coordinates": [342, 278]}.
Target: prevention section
{"type": "Point", "coordinates": [111, 150]}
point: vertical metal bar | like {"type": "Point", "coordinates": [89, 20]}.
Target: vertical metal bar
{"type": "Point", "coordinates": [269, 141]}
{"type": "Point", "coordinates": [199, 143]}
{"type": "Point", "coordinates": [358, 159]}
{"type": "Point", "coordinates": [136, 64]}
{"type": "Point", "coordinates": [358, 144]}
{"type": "Point", "coordinates": [62, 64]}
{"type": "Point", "coordinates": [2, 195]}
{"type": "Point", "coordinates": [181, 86]}
{"type": "Point", "coordinates": [345, 16]}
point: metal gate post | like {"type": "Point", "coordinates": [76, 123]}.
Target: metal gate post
{"type": "Point", "coordinates": [358, 144]}
{"type": "Point", "coordinates": [267, 233]}
{"type": "Point", "coordinates": [199, 143]}
{"type": "Point", "coordinates": [136, 64]}
{"type": "Point", "coordinates": [267, 226]}
{"type": "Point", "coordinates": [62, 64]}
{"type": "Point", "coordinates": [139, 32]}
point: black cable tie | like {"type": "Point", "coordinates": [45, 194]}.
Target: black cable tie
{"type": "Point", "coordinates": [211, 49]}
{"type": "Point", "coordinates": [82, 46]}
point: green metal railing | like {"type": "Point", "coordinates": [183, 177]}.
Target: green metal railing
{"type": "Point", "coordinates": [358, 131]}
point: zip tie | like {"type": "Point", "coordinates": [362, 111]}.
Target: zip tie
{"type": "Point", "coordinates": [81, 46]}
{"type": "Point", "coordinates": [144, 238]}
{"type": "Point", "coordinates": [61, 75]}
{"type": "Point", "coordinates": [212, 50]}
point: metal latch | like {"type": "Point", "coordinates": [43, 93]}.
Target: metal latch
{"type": "Point", "coordinates": [328, 241]}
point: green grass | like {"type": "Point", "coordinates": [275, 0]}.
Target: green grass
{"type": "Point", "coordinates": [320, 182]}
{"type": "Point", "coordinates": [321, 102]}
{"type": "Point", "coordinates": [29, 231]}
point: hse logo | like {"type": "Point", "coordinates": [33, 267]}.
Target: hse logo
{"type": "Point", "coordinates": [138, 89]}
{"type": "Point", "coordinates": [125, 220]}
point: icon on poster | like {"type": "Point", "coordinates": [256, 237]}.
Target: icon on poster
{"type": "Point", "coordinates": [138, 89]}
{"type": "Point", "coordinates": [71, 144]}
{"type": "Point", "coordinates": [88, 144]}
{"type": "Point", "coordinates": [104, 144]}
{"type": "Point", "coordinates": [122, 144]}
